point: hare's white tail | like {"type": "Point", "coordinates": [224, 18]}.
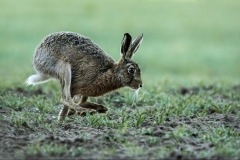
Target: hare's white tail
{"type": "Point", "coordinates": [36, 79]}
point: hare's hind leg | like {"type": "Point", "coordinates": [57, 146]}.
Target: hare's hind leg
{"type": "Point", "coordinates": [65, 76]}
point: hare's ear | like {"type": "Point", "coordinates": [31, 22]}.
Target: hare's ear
{"type": "Point", "coordinates": [126, 42]}
{"type": "Point", "coordinates": [135, 44]}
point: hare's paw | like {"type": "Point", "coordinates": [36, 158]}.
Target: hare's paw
{"type": "Point", "coordinates": [100, 108]}
{"type": "Point", "coordinates": [83, 112]}
{"type": "Point", "coordinates": [76, 109]}
{"type": "Point", "coordinates": [71, 112]}
{"type": "Point", "coordinates": [70, 103]}
{"type": "Point", "coordinates": [63, 113]}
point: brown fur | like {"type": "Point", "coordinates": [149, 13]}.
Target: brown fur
{"type": "Point", "coordinates": [83, 68]}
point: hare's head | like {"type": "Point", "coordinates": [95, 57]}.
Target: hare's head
{"type": "Point", "coordinates": [128, 70]}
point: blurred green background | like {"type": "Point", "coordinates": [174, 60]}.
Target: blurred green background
{"type": "Point", "coordinates": [184, 40]}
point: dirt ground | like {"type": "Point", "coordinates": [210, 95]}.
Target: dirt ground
{"type": "Point", "coordinates": [94, 140]}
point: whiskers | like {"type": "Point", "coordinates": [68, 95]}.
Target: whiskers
{"type": "Point", "coordinates": [135, 97]}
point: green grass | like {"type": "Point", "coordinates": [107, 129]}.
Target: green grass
{"type": "Point", "coordinates": [189, 105]}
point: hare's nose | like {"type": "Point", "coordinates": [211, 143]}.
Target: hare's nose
{"type": "Point", "coordinates": [140, 85]}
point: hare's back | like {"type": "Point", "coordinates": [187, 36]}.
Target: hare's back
{"type": "Point", "coordinates": [64, 42]}
{"type": "Point", "coordinates": [72, 47]}
{"type": "Point", "coordinates": [84, 56]}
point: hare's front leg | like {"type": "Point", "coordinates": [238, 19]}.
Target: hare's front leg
{"type": "Point", "coordinates": [65, 75]}
{"type": "Point", "coordinates": [99, 108]}
{"type": "Point", "coordinates": [82, 102]}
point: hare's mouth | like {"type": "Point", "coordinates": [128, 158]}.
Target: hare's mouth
{"type": "Point", "coordinates": [137, 86]}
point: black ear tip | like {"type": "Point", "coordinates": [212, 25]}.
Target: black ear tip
{"type": "Point", "coordinates": [127, 34]}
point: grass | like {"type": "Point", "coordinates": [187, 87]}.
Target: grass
{"type": "Point", "coordinates": [175, 125]}
{"type": "Point", "coordinates": [188, 108]}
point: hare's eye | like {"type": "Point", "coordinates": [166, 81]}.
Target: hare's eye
{"type": "Point", "coordinates": [131, 70]}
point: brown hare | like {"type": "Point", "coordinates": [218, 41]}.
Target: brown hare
{"type": "Point", "coordinates": [84, 69]}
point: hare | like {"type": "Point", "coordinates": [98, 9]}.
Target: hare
{"type": "Point", "coordinates": [84, 69]}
